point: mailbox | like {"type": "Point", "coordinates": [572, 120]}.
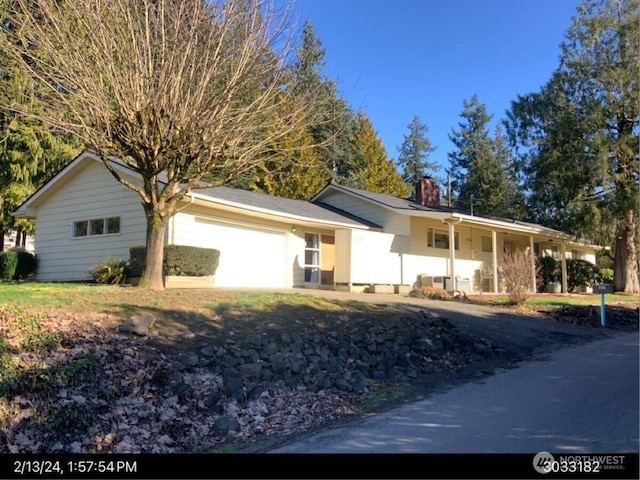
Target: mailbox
{"type": "Point", "coordinates": [603, 288]}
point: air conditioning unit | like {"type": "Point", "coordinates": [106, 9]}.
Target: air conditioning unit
{"type": "Point", "coordinates": [437, 282]}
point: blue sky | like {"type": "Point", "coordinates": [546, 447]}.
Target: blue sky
{"type": "Point", "coordinates": [398, 58]}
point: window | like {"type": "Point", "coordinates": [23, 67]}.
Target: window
{"type": "Point", "coordinates": [577, 255]}
{"type": "Point", "coordinates": [440, 239]}
{"type": "Point", "coordinates": [487, 244]}
{"type": "Point", "coordinates": [96, 227]}
{"type": "Point", "coordinates": [311, 258]}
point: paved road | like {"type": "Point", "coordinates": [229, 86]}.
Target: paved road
{"type": "Point", "coordinates": [579, 399]}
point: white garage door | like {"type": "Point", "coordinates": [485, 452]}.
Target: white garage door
{"type": "Point", "coordinates": [249, 257]}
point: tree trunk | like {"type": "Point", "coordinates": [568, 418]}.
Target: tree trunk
{"type": "Point", "coordinates": [626, 258]}
{"type": "Point", "coordinates": [152, 276]}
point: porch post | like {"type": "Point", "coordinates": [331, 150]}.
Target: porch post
{"type": "Point", "coordinates": [452, 256]}
{"type": "Point", "coordinates": [563, 257]}
{"type": "Point", "coordinates": [533, 265]}
{"type": "Point", "coordinates": [494, 260]}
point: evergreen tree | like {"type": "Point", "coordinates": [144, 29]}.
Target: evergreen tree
{"type": "Point", "coordinates": [473, 149]}
{"type": "Point", "coordinates": [374, 171]}
{"type": "Point", "coordinates": [480, 167]}
{"type": "Point", "coordinates": [511, 199]}
{"type": "Point", "coordinates": [337, 122]}
{"type": "Point", "coordinates": [414, 153]}
{"type": "Point", "coordinates": [30, 152]}
{"type": "Point", "coordinates": [578, 137]}
{"type": "Point", "coordinates": [294, 170]}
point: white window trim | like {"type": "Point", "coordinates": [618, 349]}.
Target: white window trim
{"type": "Point", "coordinates": [104, 227]}
{"type": "Point", "coordinates": [308, 265]}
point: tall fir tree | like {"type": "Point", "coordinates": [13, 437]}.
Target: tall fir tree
{"type": "Point", "coordinates": [295, 169]}
{"type": "Point", "coordinates": [332, 133]}
{"type": "Point", "coordinates": [30, 152]}
{"type": "Point", "coordinates": [413, 154]}
{"type": "Point", "coordinates": [578, 136]}
{"type": "Point", "coordinates": [374, 171]}
{"type": "Point", "coordinates": [480, 165]}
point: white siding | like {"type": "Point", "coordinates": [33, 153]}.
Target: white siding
{"type": "Point", "coordinates": [91, 193]}
{"type": "Point", "coordinates": [365, 257]}
{"type": "Point", "coordinates": [424, 260]}
{"type": "Point", "coordinates": [389, 220]}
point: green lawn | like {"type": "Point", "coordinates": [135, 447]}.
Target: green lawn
{"type": "Point", "coordinates": [560, 300]}
{"type": "Point", "coordinates": [81, 295]}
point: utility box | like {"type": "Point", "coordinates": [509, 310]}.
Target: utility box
{"type": "Point", "coordinates": [463, 284]}
{"type": "Point", "coordinates": [437, 282]}
{"type": "Point", "coordinates": [603, 288]}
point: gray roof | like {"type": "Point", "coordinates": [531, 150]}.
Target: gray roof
{"type": "Point", "coordinates": [287, 206]}
{"type": "Point", "coordinates": [403, 205]}
{"type": "Point", "coordinates": [386, 200]}
{"type": "Point", "coordinates": [278, 205]}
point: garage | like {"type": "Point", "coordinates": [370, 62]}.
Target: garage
{"type": "Point", "coordinates": [249, 257]}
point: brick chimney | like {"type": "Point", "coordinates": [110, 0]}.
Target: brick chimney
{"type": "Point", "coordinates": [428, 192]}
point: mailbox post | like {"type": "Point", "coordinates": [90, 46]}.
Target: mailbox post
{"type": "Point", "coordinates": [602, 288]}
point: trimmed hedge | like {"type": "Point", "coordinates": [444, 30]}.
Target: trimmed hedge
{"type": "Point", "coordinates": [179, 260]}
{"type": "Point", "coordinates": [17, 265]}
{"type": "Point", "coordinates": [27, 265]}
{"type": "Point", "coordinates": [8, 264]}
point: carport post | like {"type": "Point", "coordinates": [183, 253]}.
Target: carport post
{"type": "Point", "coordinates": [602, 314]}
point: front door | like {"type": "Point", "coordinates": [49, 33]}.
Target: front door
{"type": "Point", "coordinates": [319, 258]}
{"type": "Point", "coordinates": [327, 259]}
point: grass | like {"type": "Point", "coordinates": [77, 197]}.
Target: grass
{"type": "Point", "coordinates": [561, 300]}
{"type": "Point", "coordinates": [36, 294]}
{"type": "Point", "coordinates": [130, 300]}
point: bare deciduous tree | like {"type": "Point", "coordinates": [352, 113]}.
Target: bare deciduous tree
{"type": "Point", "coordinates": [175, 89]}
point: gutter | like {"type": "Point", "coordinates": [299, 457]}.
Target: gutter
{"type": "Point", "coordinates": [512, 226]}
{"type": "Point", "coordinates": [246, 208]}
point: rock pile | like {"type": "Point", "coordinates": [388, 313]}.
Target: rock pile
{"type": "Point", "coordinates": [121, 394]}
{"type": "Point", "coordinates": [345, 357]}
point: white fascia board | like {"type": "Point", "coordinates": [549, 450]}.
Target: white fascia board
{"type": "Point", "coordinates": [274, 213]}
{"type": "Point", "coordinates": [28, 209]}
{"type": "Point", "coordinates": [513, 227]}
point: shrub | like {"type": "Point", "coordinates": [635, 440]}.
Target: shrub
{"type": "Point", "coordinates": [516, 274]}
{"type": "Point", "coordinates": [27, 264]}
{"type": "Point", "coordinates": [8, 265]}
{"type": "Point", "coordinates": [548, 270]}
{"type": "Point", "coordinates": [113, 271]}
{"type": "Point", "coordinates": [432, 293]}
{"type": "Point", "coordinates": [180, 260]}
{"type": "Point", "coordinates": [581, 273]}
{"type": "Point", "coordinates": [183, 260]}
{"type": "Point", "coordinates": [605, 275]}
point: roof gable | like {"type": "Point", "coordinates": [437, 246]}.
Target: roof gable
{"type": "Point", "coordinates": [291, 209]}
{"type": "Point", "coordinates": [27, 209]}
